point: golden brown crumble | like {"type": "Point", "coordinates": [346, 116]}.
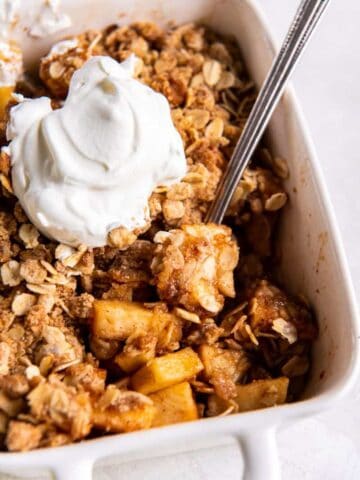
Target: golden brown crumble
{"type": "Point", "coordinates": [193, 267]}
{"type": "Point", "coordinates": [177, 321]}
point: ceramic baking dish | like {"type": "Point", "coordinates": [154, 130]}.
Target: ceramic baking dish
{"type": "Point", "coordinates": [312, 259]}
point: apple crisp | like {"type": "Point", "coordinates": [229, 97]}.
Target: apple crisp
{"type": "Point", "coordinates": [179, 321]}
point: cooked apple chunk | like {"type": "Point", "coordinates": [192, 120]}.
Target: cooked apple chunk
{"type": "Point", "coordinates": [222, 368]}
{"type": "Point", "coordinates": [117, 320]}
{"type": "Point", "coordinates": [11, 69]}
{"type": "Point", "coordinates": [136, 352]}
{"type": "Point", "coordinates": [193, 267]}
{"type": "Point", "coordinates": [5, 97]}
{"type": "Point", "coordinates": [253, 396]}
{"type": "Point", "coordinates": [122, 411]}
{"type": "Point", "coordinates": [174, 404]}
{"type": "Point", "coordinates": [170, 369]}
{"type": "Point", "coordinates": [262, 393]}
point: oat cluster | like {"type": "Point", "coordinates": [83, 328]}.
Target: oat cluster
{"type": "Point", "coordinates": [176, 322]}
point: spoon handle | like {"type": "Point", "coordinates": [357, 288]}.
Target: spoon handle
{"type": "Point", "coordinates": [304, 23]}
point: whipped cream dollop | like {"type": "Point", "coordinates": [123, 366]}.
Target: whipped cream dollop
{"type": "Point", "coordinates": [90, 166]}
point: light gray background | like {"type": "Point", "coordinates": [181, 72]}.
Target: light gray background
{"type": "Point", "coordinates": [328, 86]}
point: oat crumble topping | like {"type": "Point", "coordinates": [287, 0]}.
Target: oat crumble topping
{"type": "Point", "coordinates": [178, 321]}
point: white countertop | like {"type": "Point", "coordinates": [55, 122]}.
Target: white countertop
{"type": "Point", "coordinates": [326, 446]}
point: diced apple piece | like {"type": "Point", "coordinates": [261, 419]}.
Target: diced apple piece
{"type": "Point", "coordinates": [117, 320]}
{"type": "Point", "coordinates": [262, 393]}
{"type": "Point", "coordinates": [222, 368]}
{"type": "Point", "coordinates": [5, 96]}
{"type": "Point", "coordinates": [170, 369]}
{"type": "Point", "coordinates": [169, 336]}
{"type": "Point", "coordinates": [11, 68]}
{"type": "Point", "coordinates": [255, 395]}
{"type": "Point", "coordinates": [138, 350]}
{"type": "Point", "coordinates": [114, 319]}
{"type": "Point", "coordinates": [174, 404]}
{"type": "Point", "coordinates": [122, 411]}
{"type": "Point", "coordinates": [10, 406]}
{"type": "Point", "coordinates": [130, 363]}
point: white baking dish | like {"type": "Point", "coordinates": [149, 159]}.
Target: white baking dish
{"type": "Point", "coordinates": [312, 260]}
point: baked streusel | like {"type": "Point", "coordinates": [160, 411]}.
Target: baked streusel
{"type": "Point", "coordinates": [178, 321]}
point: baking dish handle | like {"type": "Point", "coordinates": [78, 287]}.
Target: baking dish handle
{"type": "Point", "coordinates": [261, 460]}
{"type": "Point", "coordinates": [73, 469]}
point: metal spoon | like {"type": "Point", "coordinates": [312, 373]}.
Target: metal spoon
{"type": "Point", "coordinates": [304, 23]}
